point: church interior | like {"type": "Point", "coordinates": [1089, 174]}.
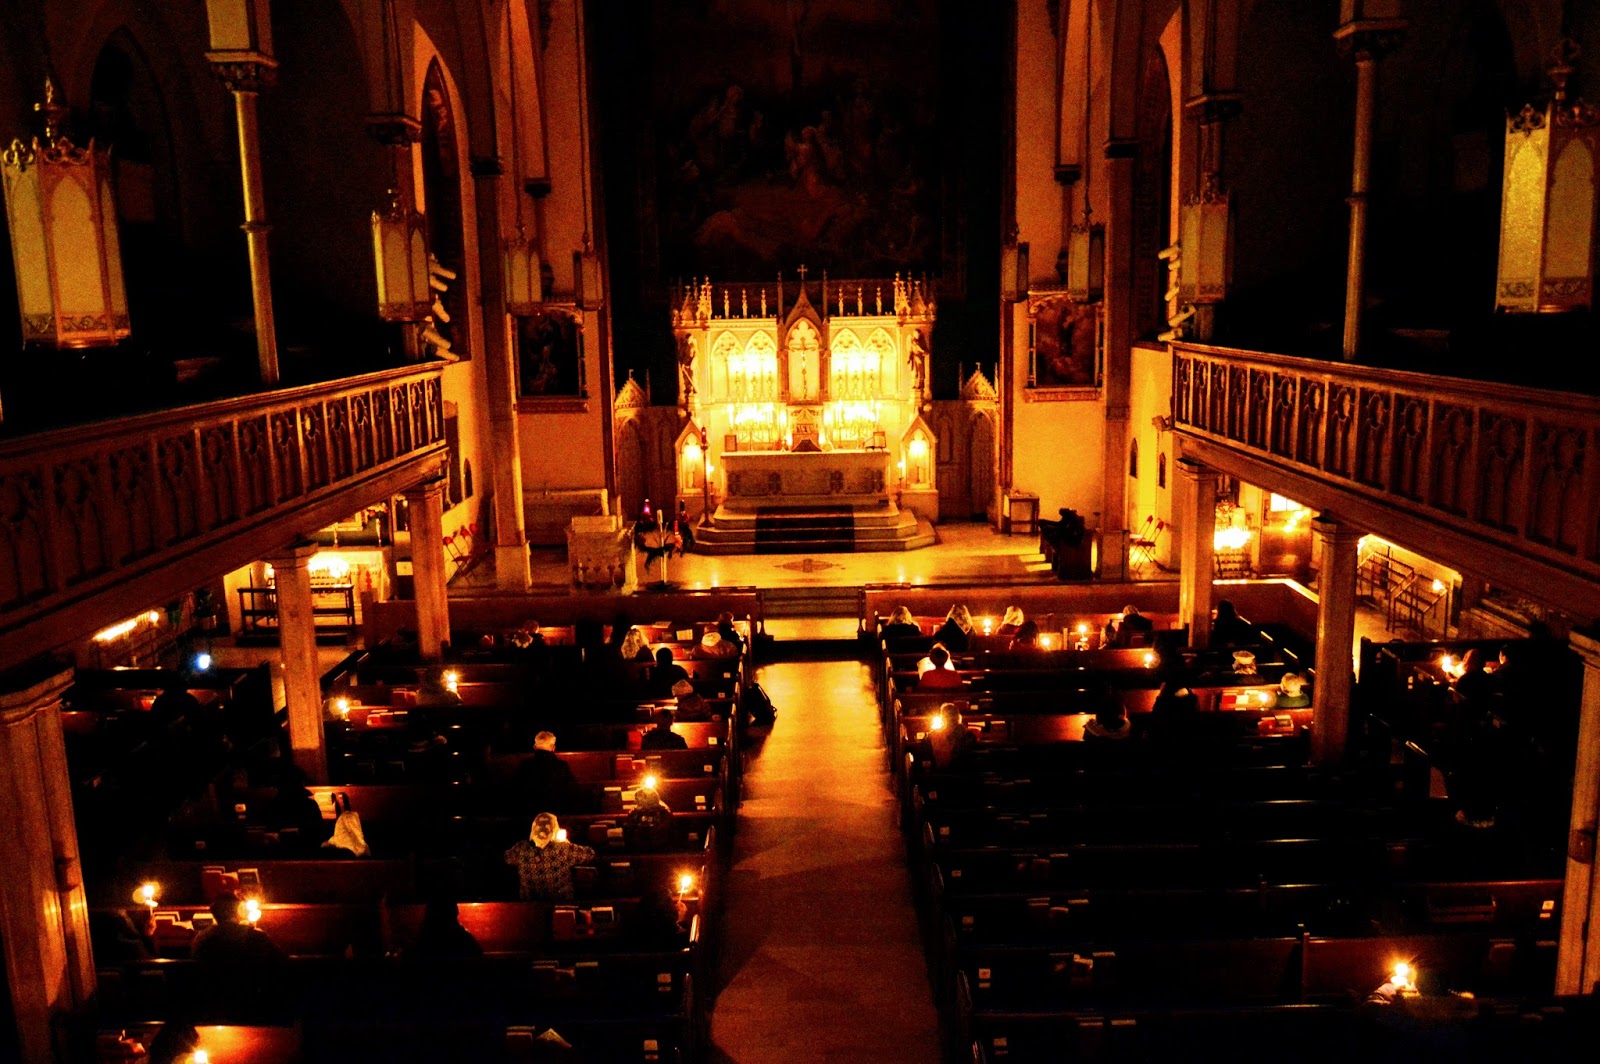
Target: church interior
{"type": "Point", "coordinates": [729, 531]}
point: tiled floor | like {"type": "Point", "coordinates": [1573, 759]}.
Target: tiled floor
{"type": "Point", "coordinates": [821, 956]}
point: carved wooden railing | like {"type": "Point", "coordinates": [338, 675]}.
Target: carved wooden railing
{"type": "Point", "coordinates": [84, 509]}
{"type": "Point", "coordinates": [1508, 465]}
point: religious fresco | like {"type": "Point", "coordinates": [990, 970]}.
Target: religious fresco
{"type": "Point", "coordinates": [796, 131]}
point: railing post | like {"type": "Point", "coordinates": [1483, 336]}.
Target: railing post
{"type": "Point", "coordinates": [297, 636]}
{"type": "Point", "coordinates": [1336, 614]}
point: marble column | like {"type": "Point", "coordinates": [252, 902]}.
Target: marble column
{"type": "Point", "coordinates": [1196, 504]}
{"type": "Point", "coordinates": [1117, 384]}
{"type": "Point", "coordinates": [1578, 958]}
{"type": "Point", "coordinates": [302, 674]}
{"type": "Point", "coordinates": [425, 506]}
{"type": "Point", "coordinates": [1365, 39]}
{"type": "Point", "coordinates": [44, 916]}
{"type": "Point", "coordinates": [1336, 625]}
{"type": "Point", "coordinates": [246, 78]}
{"type": "Point", "coordinates": [512, 569]}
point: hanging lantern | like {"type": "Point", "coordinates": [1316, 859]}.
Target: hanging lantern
{"type": "Point", "coordinates": [1086, 261]}
{"type": "Point", "coordinates": [1203, 267]}
{"type": "Point", "coordinates": [400, 246]}
{"type": "Point", "coordinates": [1547, 202]}
{"type": "Point", "coordinates": [240, 28]}
{"type": "Point", "coordinates": [524, 287]}
{"type": "Point", "coordinates": [63, 217]}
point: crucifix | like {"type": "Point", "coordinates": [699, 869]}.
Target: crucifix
{"type": "Point", "coordinates": [802, 272]}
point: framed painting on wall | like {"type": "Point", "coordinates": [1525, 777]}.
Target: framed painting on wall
{"type": "Point", "coordinates": [550, 356]}
{"type": "Point", "coordinates": [1065, 341]}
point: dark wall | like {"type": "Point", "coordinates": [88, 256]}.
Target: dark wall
{"type": "Point", "coordinates": [856, 136]}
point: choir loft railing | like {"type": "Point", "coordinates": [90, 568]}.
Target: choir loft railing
{"type": "Point", "coordinates": [1495, 464]}
{"type": "Point", "coordinates": [93, 509]}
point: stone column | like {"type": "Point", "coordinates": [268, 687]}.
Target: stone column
{"type": "Point", "coordinates": [512, 570]}
{"type": "Point", "coordinates": [44, 916]}
{"type": "Point", "coordinates": [1365, 39]}
{"type": "Point", "coordinates": [1197, 522]}
{"type": "Point", "coordinates": [1578, 959]}
{"type": "Point", "coordinates": [1336, 625]}
{"type": "Point", "coordinates": [302, 674]}
{"type": "Point", "coordinates": [1120, 156]}
{"type": "Point", "coordinates": [425, 507]}
{"type": "Point", "coordinates": [245, 79]}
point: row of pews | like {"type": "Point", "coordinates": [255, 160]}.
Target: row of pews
{"type": "Point", "coordinates": [1205, 894]}
{"type": "Point", "coordinates": [617, 972]}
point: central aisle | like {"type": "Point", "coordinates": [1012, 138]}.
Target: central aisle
{"type": "Point", "coordinates": [821, 959]}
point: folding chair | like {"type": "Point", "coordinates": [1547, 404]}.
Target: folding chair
{"type": "Point", "coordinates": [1142, 547]}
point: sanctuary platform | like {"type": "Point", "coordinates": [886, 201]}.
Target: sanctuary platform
{"type": "Point", "coordinates": [782, 502]}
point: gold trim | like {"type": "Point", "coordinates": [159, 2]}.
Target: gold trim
{"type": "Point", "coordinates": [538, 404]}
{"type": "Point", "coordinates": [1084, 393]}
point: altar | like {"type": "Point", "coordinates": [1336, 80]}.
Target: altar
{"type": "Point", "coordinates": [802, 405]}
{"type": "Point", "coordinates": [803, 480]}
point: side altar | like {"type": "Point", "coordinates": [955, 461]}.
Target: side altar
{"type": "Point", "coordinates": [801, 406]}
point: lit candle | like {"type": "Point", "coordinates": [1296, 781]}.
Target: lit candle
{"type": "Point", "coordinates": [146, 895]}
{"type": "Point", "coordinates": [561, 834]}
{"type": "Point", "coordinates": [342, 706]}
{"type": "Point", "coordinates": [685, 884]}
{"type": "Point", "coordinates": [251, 909]}
{"type": "Point", "coordinates": [650, 783]}
{"type": "Point", "coordinates": [937, 723]}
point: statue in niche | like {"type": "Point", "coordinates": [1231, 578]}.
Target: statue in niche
{"type": "Point", "coordinates": [686, 372]}
{"type": "Point", "coordinates": [917, 356]}
{"type": "Point", "coordinates": [548, 355]}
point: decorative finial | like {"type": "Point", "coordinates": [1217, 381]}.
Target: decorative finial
{"type": "Point", "coordinates": [53, 112]}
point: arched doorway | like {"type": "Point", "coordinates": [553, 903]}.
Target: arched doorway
{"type": "Point", "coordinates": [631, 469]}
{"type": "Point", "coordinates": [981, 471]}
{"type": "Point", "coordinates": [441, 190]}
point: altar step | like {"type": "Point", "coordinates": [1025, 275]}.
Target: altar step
{"type": "Point", "coordinates": [814, 531]}
{"type": "Point", "coordinates": [783, 602]}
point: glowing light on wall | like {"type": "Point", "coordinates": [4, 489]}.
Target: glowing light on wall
{"type": "Point", "coordinates": [122, 628]}
{"type": "Point", "coordinates": [1230, 538]}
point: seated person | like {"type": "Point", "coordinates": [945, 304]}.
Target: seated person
{"type": "Point", "coordinates": [1133, 629]}
{"type": "Point", "coordinates": [1244, 665]}
{"type": "Point", "coordinates": [1173, 717]}
{"type": "Point", "coordinates": [434, 693]}
{"type": "Point", "coordinates": [949, 738]}
{"type": "Point", "coordinates": [941, 674]}
{"type": "Point", "coordinates": [728, 632]}
{"type": "Point", "coordinates": [293, 807]}
{"type": "Point", "coordinates": [1111, 724]}
{"type": "Point", "coordinates": [1291, 692]}
{"type": "Point", "coordinates": [956, 631]}
{"type": "Point", "coordinates": [1475, 684]}
{"type": "Point", "coordinates": [1026, 637]}
{"type": "Point", "coordinates": [544, 863]}
{"type": "Point", "coordinates": [712, 645]}
{"type": "Point", "coordinates": [649, 825]}
{"type": "Point", "coordinates": [1231, 630]}
{"type": "Point", "coordinates": [901, 625]}
{"type": "Point", "coordinates": [348, 839]}
{"type": "Point", "coordinates": [174, 702]}
{"type": "Point", "coordinates": [660, 919]}
{"type": "Point", "coordinates": [691, 706]}
{"type": "Point", "coordinates": [636, 645]}
{"type": "Point", "coordinates": [662, 737]}
{"type": "Point", "coordinates": [115, 939]}
{"type": "Point", "coordinates": [441, 935]}
{"type": "Point", "coordinates": [1012, 621]}
{"type": "Point", "coordinates": [241, 965]}
{"type": "Point", "coordinates": [175, 1043]}
{"type": "Point", "coordinates": [666, 674]}
{"type": "Point", "coordinates": [543, 780]}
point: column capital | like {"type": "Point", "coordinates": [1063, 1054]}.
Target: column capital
{"type": "Point", "coordinates": [243, 71]}
{"type": "Point", "coordinates": [294, 556]}
{"type": "Point", "coordinates": [29, 689]}
{"type": "Point", "coordinates": [432, 488]}
{"type": "Point", "coordinates": [485, 167]}
{"type": "Point", "coordinates": [1366, 40]}
{"type": "Point", "coordinates": [1587, 647]}
{"type": "Point", "coordinates": [1194, 470]}
{"type": "Point", "coordinates": [1068, 173]}
{"type": "Point", "coordinates": [1329, 528]}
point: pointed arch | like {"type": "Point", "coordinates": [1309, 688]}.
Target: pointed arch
{"type": "Point", "coordinates": [441, 182]}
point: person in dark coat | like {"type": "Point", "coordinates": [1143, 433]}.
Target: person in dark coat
{"type": "Point", "coordinates": [662, 737]}
{"type": "Point", "coordinates": [441, 934]}
{"type": "Point", "coordinates": [1231, 630]}
{"type": "Point", "coordinates": [543, 780]}
{"type": "Point", "coordinates": [901, 625]}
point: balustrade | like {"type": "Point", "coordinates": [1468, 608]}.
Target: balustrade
{"type": "Point", "coordinates": [81, 509]}
{"type": "Point", "coordinates": [1497, 462]}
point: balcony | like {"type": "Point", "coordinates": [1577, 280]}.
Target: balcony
{"type": "Point", "coordinates": [1495, 479]}
{"type": "Point", "coordinates": [102, 521]}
